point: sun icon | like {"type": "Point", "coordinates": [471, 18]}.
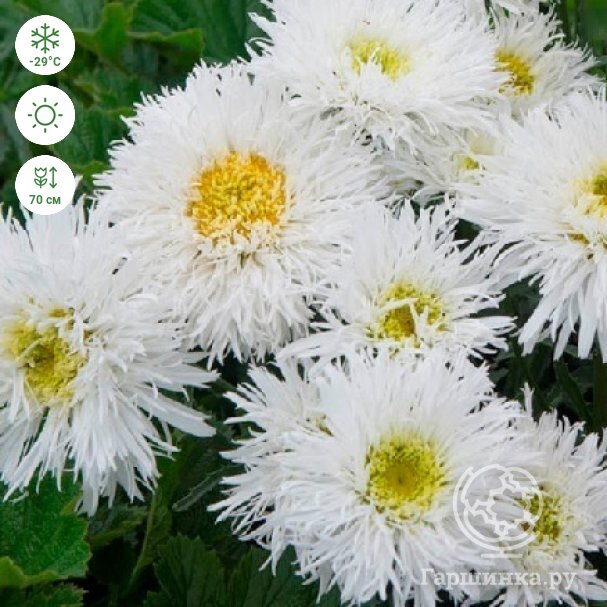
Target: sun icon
{"type": "Point", "coordinates": [45, 115]}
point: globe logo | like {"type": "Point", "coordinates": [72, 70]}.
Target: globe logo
{"type": "Point", "coordinates": [496, 507]}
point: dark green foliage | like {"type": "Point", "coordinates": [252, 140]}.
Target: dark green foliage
{"type": "Point", "coordinates": [42, 539]}
{"type": "Point", "coordinates": [169, 551]}
{"type": "Point", "coordinates": [62, 595]}
{"type": "Point", "coordinates": [190, 575]}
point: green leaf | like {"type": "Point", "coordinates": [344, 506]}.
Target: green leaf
{"type": "Point", "coordinates": [225, 24]}
{"type": "Point", "coordinates": [189, 575]}
{"type": "Point", "coordinates": [64, 595]}
{"type": "Point", "coordinates": [187, 43]}
{"type": "Point", "coordinates": [211, 481]}
{"type": "Point", "coordinates": [10, 137]}
{"type": "Point", "coordinates": [109, 39]}
{"type": "Point", "coordinates": [10, 22]}
{"type": "Point", "coordinates": [228, 28]}
{"type": "Point", "coordinates": [15, 80]}
{"type": "Point", "coordinates": [252, 586]}
{"type": "Point", "coordinates": [85, 149]}
{"type": "Point", "coordinates": [112, 89]}
{"type": "Point", "coordinates": [172, 24]}
{"type": "Point", "coordinates": [193, 462]}
{"type": "Point", "coordinates": [592, 24]}
{"type": "Point", "coordinates": [570, 387]}
{"type": "Point", "coordinates": [78, 14]}
{"type": "Point", "coordinates": [113, 522]}
{"type": "Point", "coordinates": [42, 539]}
{"type": "Point", "coordinates": [599, 400]}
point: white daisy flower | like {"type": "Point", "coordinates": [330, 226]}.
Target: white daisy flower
{"type": "Point", "coordinates": [408, 286]}
{"type": "Point", "coordinates": [278, 405]}
{"type": "Point", "coordinates": [365, 495]}
{"type": "Point", "coordinates": [540, 66]}
{"type": "Point", "coordinates": [238, 207]}
{"type": "Point", "coordinates": [440, 167]}
{"type": "Point", "coordinates": [86, 361]}
{"type": "Point", "coordinates": [545, 193]}
{"type": "Point", "coordinates": [397, 69]}
{"type": "Point", "coordinates": [568, 513]}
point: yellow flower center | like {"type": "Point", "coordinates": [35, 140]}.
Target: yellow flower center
{"type": "Point", "coordinates": [399, 323]}
{"type": "Point", "coordinates": [390, 61]}
{"type": "Point", "coordinates": [236, 195]}
{"type": "Point", "coordinates": [592, 198]}
{"type": "Point", "coordinates": [47, 360]}
{"type": "Point", "coordinates": [521, 80]}
{"type": "Point", "coordinates": [549, 511]}
{"type": "Point", "coordinates": [406, 475]}
{"type": "Point", "coordinates": [467, 163]}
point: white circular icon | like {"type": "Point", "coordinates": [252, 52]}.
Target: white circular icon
{"type": "Point", "coordinates": [45, 115]}
{"type": "Point", "coordinates": [497, 507]}
{"type": "Point", "coordinates": [45, 45]}
{"type": "Point", "coordinates": [45, 185]}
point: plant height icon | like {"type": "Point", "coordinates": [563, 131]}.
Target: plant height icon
{"type": "Point", "coordinates": [40, 176]}
{"type": "Point", "coordinates": [45, 40]}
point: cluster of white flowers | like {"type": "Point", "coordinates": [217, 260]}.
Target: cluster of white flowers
{"type": "Point", "coordinates": [273, 211]}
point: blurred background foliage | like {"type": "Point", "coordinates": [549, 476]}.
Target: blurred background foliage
{"type": "Point", "coordinates": [168, 551]}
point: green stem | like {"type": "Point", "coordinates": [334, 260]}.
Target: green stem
{"type": "Point", "coordinates": [578, 13]}
{"type": "Point", "coordinates": [145, 556]}
{"type": "Point", "coordinates": [563, 13]}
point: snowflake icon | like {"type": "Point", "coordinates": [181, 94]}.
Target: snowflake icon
{"type": "Point", "coordinates": [45, 40]}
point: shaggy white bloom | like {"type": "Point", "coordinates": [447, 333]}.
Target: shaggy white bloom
{"type": "Point", "coordinates": [568, 513]}
{"type": "Point", "coordinates": [278, 405]}
{"type": "Point", "coordinates": [540, 66]}
{"type": "Point", "coordinates": [546, 194]}
{"type": "Point", "coordinates": [364, 473]}
{"type": "Point", "coordinates": [238, 207]}
{"type": "Point", "coordinates": [83, 359]}
{"type": "Point", "coordinates": [451, 159]}
{"type": "Point", "coordinates": [408, 286]}
{"type": "Point", "coordinates": [397, 69]}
